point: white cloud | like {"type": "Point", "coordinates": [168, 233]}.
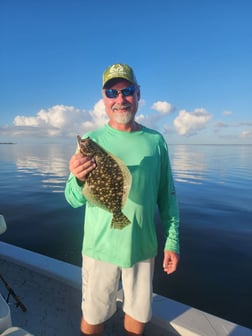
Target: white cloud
{"type": "Point", "coordinates": [57, 116]}
{"type": "Point", "coordinates": [190, 123]}
{"type": "Point", "coordinates": [227, 113]}
{"type": "Point", "coordinates": [26, 121]}
{"type": "Point", "coordinates": [67, 121]}
{"type": "Point", "coordinates": [61, 120]}
{"type": "Point", "coordinates": [98, 114]}
{"type": "Point", "coordinates": [246, 134]}
{"type": "Point", "coordinates": [140, 118]}
{"type": "Point", "coordinates": [156, 119]}
{"type": "Point", "coordinates": [220, 124]}
{"type": "Point", "coordinates": [163, 107]}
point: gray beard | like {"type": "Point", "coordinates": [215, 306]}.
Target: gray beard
{"type": "Point", "coordinates": [123, 117]}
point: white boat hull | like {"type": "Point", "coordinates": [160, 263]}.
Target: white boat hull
{"type": "Point", "coordinates": [51, 291]}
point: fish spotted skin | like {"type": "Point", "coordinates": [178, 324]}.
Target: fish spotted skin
{"type": "Point", "coordinates": [108, 184]}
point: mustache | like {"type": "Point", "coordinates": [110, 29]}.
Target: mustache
{"type": "Point", "coordinates": [121, 107]}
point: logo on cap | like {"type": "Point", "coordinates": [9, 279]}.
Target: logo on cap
{"type": "Point", "coordinates": [117, 70]}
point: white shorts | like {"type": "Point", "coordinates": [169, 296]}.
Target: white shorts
{"type": "Point", "coordinates": [100, 282]}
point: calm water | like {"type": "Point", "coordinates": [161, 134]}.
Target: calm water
{"type": "Point", "coordinates": [214, 186]}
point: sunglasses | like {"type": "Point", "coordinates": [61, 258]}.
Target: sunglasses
{"type": "Point", "coordinates": [128, 91]}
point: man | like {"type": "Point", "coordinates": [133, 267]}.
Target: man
{"type": "Point", "coordinates": [109, 254]}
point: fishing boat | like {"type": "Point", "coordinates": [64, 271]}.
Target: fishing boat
{"type": "Point", "coordinates": [40, 296]}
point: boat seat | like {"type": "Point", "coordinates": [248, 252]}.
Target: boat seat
{"type": "Point", "coordinates": [15, 331]}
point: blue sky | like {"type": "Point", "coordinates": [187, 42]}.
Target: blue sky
{"type": "Point", "coordinates": [192, 59]}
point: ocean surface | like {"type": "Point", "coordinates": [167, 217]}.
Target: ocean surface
{"type": "Point", "coordinates": [214, 187]}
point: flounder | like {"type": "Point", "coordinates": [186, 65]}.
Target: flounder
{"type": "Point", "coordinates": [108, 184]}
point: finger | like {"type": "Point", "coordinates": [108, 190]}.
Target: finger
{"type": "Point", "coordinates": [81, 171]}
{"type": "Point", "coordinates": [79, 161]}
{"type": "Point", "coordinates": [169, 269]}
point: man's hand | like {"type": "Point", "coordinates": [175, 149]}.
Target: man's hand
{"type": "Point", "coordinates": [80, 166]}
{"type": "Point", "coordinates": [171, 260]}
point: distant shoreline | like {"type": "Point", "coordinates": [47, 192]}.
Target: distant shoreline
{"type": "Point", "coordinates": [7, 143]}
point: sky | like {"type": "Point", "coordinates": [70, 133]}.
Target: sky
{"type": "Point", "coordinates": [192, 59]}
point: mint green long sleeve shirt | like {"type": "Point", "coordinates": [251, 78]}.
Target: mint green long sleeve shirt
{"type": "Point", "coordinates": [146, 155]}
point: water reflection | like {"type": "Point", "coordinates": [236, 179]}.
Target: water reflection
{"type": "Point", "coordinates": [189, 164]}
{"type": "Point", "coordinates": [49, 162]}
{"type": "Point", "coordinates": [220, 164]}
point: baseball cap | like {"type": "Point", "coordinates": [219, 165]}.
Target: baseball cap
{"type": "Point", "coordinates": [118, 70]}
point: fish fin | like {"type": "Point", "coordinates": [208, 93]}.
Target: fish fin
{"type": "Point", "coordinates": [119, 221]}
{"type": "Point", "coordinates": [88, 194]}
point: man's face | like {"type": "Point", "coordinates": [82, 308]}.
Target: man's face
{"type": "Point", "coordinates": [121, 110]}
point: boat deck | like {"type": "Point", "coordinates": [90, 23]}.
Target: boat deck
{"type": "Point", "coordinates": [51, 291]}
{"type": "Point", "coordinates": [53, 308]}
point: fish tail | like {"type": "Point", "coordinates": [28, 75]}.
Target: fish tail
{"type": "Point", "coordinates": [119, 221]}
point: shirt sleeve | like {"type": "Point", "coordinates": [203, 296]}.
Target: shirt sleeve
{"type": "Point", "coordinates": [167, 203]}
{"type": "Point", "coordinates": [73, 192]}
